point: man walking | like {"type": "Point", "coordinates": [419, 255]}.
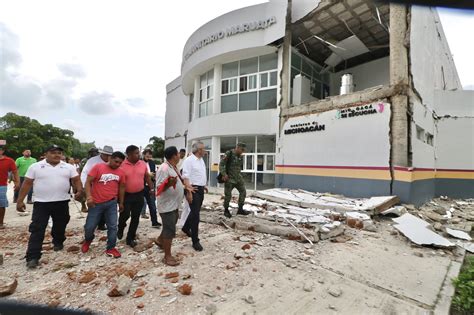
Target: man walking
{"type": "Point", "coordinates": [136, 174]}
{"type": "Point", "coordinates": [170, 195]}
{"type": "Point", "coordinates": [22, 164]}
{"type": "Point", "coordinates": [150, 199]}
{"type": "Point", "coordinates": [105, 186]}
{"type": "Point", "coordinates": [182, 155]}
{"type": "Point", "coordinates": [194, 174]}
{"type": "Point", "coordinates": [50, 179]}
{"type": "Point", "coordinates": [6, 165]}
{"type": "Point", "coordinates": [102, 158]}
{"type": "Point", "coordinates": [230, 168]}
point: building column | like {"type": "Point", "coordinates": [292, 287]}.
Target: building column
{"type": "Point", "coordinates": [399, 76]}
{"type": "Point", "coordinates": [284, 102]}
{"type": "Point", "coordinates": [214, 160]}
{"type": "Point", "coordinates": [217, 89]}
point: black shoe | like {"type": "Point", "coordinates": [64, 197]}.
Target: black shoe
{"type": "Point", "coordinates": [243, 212]}
{"type": "Point", "coordinates": [32, 263]}
{"type": "Point", "coordinates": [132, 243]}
{"type": "Point", "coordinates": [57, 248]}
{"type": "Point", "coordinates": [102, 227]}
{"type": "Point", "coordinates": [120, 234]}
{"type": "Point", "coordinates": [197, 246]}
{"type": "Point", "coordinates": [227, 213]}
{"type": "Point", "coordinates": [187, 232]}
{"type": "Point", "coordinates": [156, 225]}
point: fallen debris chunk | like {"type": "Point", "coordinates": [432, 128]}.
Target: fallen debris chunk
{"type": "Point", "coordinates": [246, 246]}
{"type": "Point", "coordinates": [122, 287]}
{"type": "Point", "coordinates": [53, 303]}
{"type": "Point", "coordinates": [416, 230]}
{"type": "Point", "coordinates": [73, 249]}
{"type": "Point", "coordinates": [164, 293]}
{"type": "Point", "coordinates": [249, 299]}
{"type": "Point", "coordinates": [7, 285]}
{"type": "Point", "coordinates": [171, 275]}
{"type": "Point", "coordinates": [467, 246]}
{"type": "Point", "coordinates": [336, 292]}
{"type": "Point", "coordinates": [140, 305]}
{"type": "Point", "coordinates": [341, 239]}
{"type": "Point", "coordinates": [395, 211]}
{"type": "Point", "coordinates": [185, 289]}
{"type": "Point", "coordinates": [308, 287]}
{"type": "Point", "coordinates": [139, 293]}
{"type": "Point", "coordinates": [458, 234]}
{"type": "Point", "coordinates": [87, 277]}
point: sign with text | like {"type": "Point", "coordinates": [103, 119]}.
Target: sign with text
{"type": "Point", "coordinates": [362, 110]}
{"type": "Point", "coordinates": [304, 127]}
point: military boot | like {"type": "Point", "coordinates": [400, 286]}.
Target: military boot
{"type": "Point", "coordinates": [227, 213]}
{"type": "Point", "coordinates": [241, 211]}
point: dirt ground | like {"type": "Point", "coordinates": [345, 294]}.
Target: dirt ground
{"type": "Point", "coordinates": [238, 272]}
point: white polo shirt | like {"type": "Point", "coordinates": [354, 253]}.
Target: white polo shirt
{"type": "Point", "coordinates": [51, 183]}
{"type": "Point", "coordinates": [93, 161]}
{"type": "Point", "coordinates": [194, 169]}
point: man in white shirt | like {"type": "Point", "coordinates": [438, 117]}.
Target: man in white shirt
{"type": "Point", "coordinates": [103, 157]}
{"type": "Point", "coordinates": [194, 174]}
{"type": "Point", "coordinates": [182, 155]}
{"type": "Point", "coordinates": [50, 179]}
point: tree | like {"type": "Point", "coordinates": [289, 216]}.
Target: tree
{"type": "Point", "coordinates": [22, 133]}
{"type": "Point", "coordinates": [157, 146]}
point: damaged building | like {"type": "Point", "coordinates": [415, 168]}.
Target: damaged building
{"type": "Point", "coordinates": [353, 97]}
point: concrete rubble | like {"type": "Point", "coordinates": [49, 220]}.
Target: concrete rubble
{"type": "Point", "coordinates": [259, 263]}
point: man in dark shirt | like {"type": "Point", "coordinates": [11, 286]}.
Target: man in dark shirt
{"type": "Point", "coordinates": [150, 199]}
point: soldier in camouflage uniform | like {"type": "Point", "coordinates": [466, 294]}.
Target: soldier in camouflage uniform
{"type": "Point", "coordinates": [230, 168]}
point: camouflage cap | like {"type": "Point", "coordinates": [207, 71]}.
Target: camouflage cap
{"type": "Point", "coordinates": [242, 145]}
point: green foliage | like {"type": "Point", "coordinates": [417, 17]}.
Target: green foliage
{"type": "Point", "coordinates": [22, 133]}
{"type": "Point", "coordinates": [157, 145]}
{"type": "Point", "coordinates": [463, 301]}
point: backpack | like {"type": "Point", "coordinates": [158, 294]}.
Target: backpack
{"type": "Point", "coordinates": [219, 176]}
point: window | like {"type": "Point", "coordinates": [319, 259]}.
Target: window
{"type": "Point", "coordinates": [429, 139]}
{"type": "Point", "coordinates": [300, 64]}
{"type": "Point", "coordinates": [249, 84]}
{"type": "Point", "coordinates": [420, 133]}
{"type": "Point", "coordinates": [206, 93]}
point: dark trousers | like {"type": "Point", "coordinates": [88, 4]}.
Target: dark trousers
{"type": "Point", "coordinates": [192, 222]}
{"type": "Point", "coordinates": [151, 202]}
{"type": "Point", "coordinates": [30, 193]}
{"type": "Point", "coordinates": [59, 212]}
{"type": "Point", "coordinates": [133, 204]}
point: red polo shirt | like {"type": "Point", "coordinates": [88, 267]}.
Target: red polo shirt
{"type": "Point", "coordinates": [6, 165]}
{"type": "Point", "coordinates": [135, 175]}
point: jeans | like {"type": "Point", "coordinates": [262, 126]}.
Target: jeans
{"type": "Point", "coordinates": [59, 212]}
{"type": "Point", "coordinates": [151, 202]}
{"type": "Point", "coordinates": [108, 210]}
{"type": "Point", "coordinates": [192, 222]}
{"type": "Point", "coordinates": [30, 193]}
{"type": "Point", "coordinates": [133, 204]}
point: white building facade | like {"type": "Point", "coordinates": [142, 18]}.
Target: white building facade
{"type": "Point", "coordinates": [269, 75]}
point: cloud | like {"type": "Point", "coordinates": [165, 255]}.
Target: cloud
{"type": "Point", "coordinates": [58, 93]}
{"type": "Point", "coordinates": [72, 70]}
{"type": "Point", "coordinates": [136, 102]}
{"type": "Point", "coordinates": [98, 103]}
{"type": "Point", "coordinates": [72, 125]}
{"type": "Point", "coordinates": [9, 52]}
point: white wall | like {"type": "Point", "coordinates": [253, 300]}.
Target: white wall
{"type": "Point", "coordinates": [455, 143]}
{"type": "Point", "coordinates": [370, 74]}
{"type": "Point", "coordinates": [177, 111]}
{"type": "Point", "coordinates": [235, 123]}
{"type": "Point", "coordinates": [204, 58]}
{"type": "Point", "coordinates": [430, 56]}
{"type": "Point", "coordinates": [177, 142]}
{"type": "Point", "coordinates": [355, 141]}
{"type": "Point", "coordinates": [454, 103]}
{"type": "Point", "coordinates": [423, 153]}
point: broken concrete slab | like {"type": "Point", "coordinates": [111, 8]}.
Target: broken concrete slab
{"type": "Point", "coordinates": [7, 285]}
{"type": "Point", "coordinates": [458, 234]}
{"type": "Point", "coordinates": [395, 211]}
{"type": "Point", "coordinates": [467, 246]}
{"type": "Point", "coordinates": [416, 230]}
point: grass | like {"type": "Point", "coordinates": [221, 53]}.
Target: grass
{"type": "Point", "coordinates": [463, 300]}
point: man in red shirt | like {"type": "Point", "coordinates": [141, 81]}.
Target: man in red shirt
{"type": "Point", "coordinates": [136, 173]}
{"type": "Point", "coordinates": [6, 165]}
{"type": "Point", "coordinates": [104, 185]}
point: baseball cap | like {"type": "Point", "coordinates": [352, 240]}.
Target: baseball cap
{"type": "Point", "coordinates": [53, 147]}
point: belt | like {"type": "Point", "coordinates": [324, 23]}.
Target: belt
{"type": "Point", "coordinates": [198, 186]}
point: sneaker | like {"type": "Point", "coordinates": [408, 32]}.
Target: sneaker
{"type": "Point", "coordinates": [57, 248]}
{"type": "Point", "coordinates": [157, 225]}
{"type": "Point", "coordinates": [227, 213]}
{"type": "Point", "coordinates": [113, 253]}
{"type": "Point", "coordinates": [85, 246]}
{"type": "Point", "coordinates": [132, 243]}
{"type": "Point", "coordinates": [120, 234]}
{"type": "Point", "coordinates": [145, 216]}
{"type": "Point", "coordinates": [197, 246]}
{"type": "Point", "coordinates": [32, 263]}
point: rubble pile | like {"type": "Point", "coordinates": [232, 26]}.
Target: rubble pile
{"type": "Point", "coordinates": [301, 215]}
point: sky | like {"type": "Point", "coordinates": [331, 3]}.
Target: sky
{"type": "Point", "coordinates": [100, 67]}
